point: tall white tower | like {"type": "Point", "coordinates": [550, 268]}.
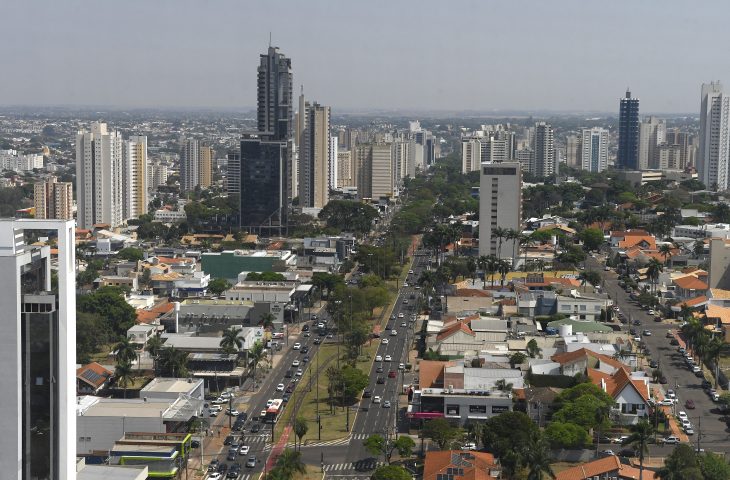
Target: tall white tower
{"type": "Point", "coordinates": [714, 141]}
{"type": "Point", "coordinates": [594, 149]}
{"type": "Point", "coordinates": [135, 176]}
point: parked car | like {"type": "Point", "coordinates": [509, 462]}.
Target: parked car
{"type": "Point", "coordinates": [670, 440]}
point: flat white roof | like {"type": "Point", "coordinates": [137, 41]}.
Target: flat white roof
{"type": "Point", "coordinates": [171, 385]}
{"type": "Point", "coordinates": [116, 472]}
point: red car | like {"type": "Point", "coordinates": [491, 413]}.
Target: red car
{"type": "Point", "coordinates": [391, 374]}
{"type": "Point", "coordinates": [689, 404]}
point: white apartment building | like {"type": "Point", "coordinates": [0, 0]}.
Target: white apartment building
{"type": "Point", "coordinates": [594, 149]}
{"type": "Point", "coordinates": [99, 171]}
{"type": "Point", "coordinates": [11, 160]}
{"type": "Point", "coordinates": [471, 154]}
{"type": "Point", "coordinates": [134, 179]}
{"type": "Point", "coordinates": [333, 159]}
{"type": "Point", "coordinates": [500, 205]}
{"type": "Point", "coordinates": [652, 132]}
{"type": "Point", "coordinates": [714, 138]}
{"type": "Point", "coordinates": [544, 162]}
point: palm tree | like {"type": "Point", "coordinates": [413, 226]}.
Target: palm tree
{"type": "Point", "coordinates": [533, 349]}
{"type": "Point", "coordinates": [602, 413]}
{"type": "Point", "coordinates": [290, 462]}
{"type": "Point", "coordinates": [125, 350]}
{"type": "Point", "coordinates": [699, 248]}
{"type": "Point", "coordinates": [500, 234]}
{"type": "Point", "coordinates": [267, 320]}
{"type": "Point", "coordinates": [300, 428]}
{"type": "Point", "coordinates": [503, 386]}
{"type": "Point", "coordinates": [665, 251]}
{"type": "Point", "coordinates": [524, 241]}
{"type": "Point", "coordinates": [154, 347]}
{"type": "Point", "coordinates": [482, 262]}
{"type": "Point", "coordinates": [538, 459]}
{"type": "Point", "coordinates": [230, 341]}
{"type": "Point", "coordinates": [503, 268]}
{"type": "Point", "coordinates": [255, 354]}
{"type": "Point", "coordinates": [492, 264]}
{"type": "Point", "coordinates": [653, 270]}
{"type": "Point", "coordinates": [471, 266]}
{"type": "Point", "coordinates": [712, 354]}
{"type": "Point", "coordinates": [641, 433]}
{"type": "Point", "coordinates": [174, 362]}
{"type": "Point", "coordinates": [514, 237]}
{"type": "Point", "coordinates": [124, 375]}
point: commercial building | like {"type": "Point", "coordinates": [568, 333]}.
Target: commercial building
{"type": "Point", "coordinates": [628, 133]}
{"type": "Point", "coordinates": [652, 133]}
{"type": "Point", "coordinates": [134, 177]}
{"type": "Point", "coordinates": [500, 205]}
{"type": "Point", "coordinates": [99, 182]}
{"type": "Point", "coordinates": [714, 141]}
{"type": "Point", "coordinates": [37, 352]}
{"type": "Point", "coordinates": [264, 183]}
{"type": "Point", "coordinates": [594, 149]}
{"type": "Point", "coordinates": [53, 199]}
{"type": "Point", "coordinates": [229, 263]}
{"type": "Point", "coordinates": [544, 161]}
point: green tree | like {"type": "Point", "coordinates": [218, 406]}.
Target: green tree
{"type": "Point", "coordinates": [267, 320]}
{"type": "Point", "coordinates": [592, 238]}
{"type": "Point", "coordinates": [290, 463]}
{"type": "Point", "coordinates": [714, 467]}
{"type": "Point", "coordinates": [124, 375]}
{"type": "Point", "coordinates": [566, 435]}
{"type": "Point", "coordinates": [265, 277]}
{"type": "Point", "coordinates": [92, 331]}
{"type": "Point", "coordinates": [131, 254]}
{"type": "Point", "coordinates": [109, 304]}
{"type": "Point", "coordinates": [173, 362]}
{"type": "Point", "coordinates": [441, 431]}
{"type": "Point", "coordinates": [154, 347]}
{"type": "Point", "coordinates": [378, 445]}
{"type": "Point", "coordinates": [641, 433]}
{"type": "Point", "coordinates": [681, 464]}
{"type": "Point", "coordinates": [506, 436]}
{"type": "Point", "coordinates": [390, 472]}
{"type": "Point", "coordinates": [517, 358]}
{"type": "Point", "coordinates": [349, 216]}
{"type": "Point", "coordinates": [218, 286]}
{"type": "Point", "coordinates": [300, 428]}
{"type": "Point", "coordinates": [255, 354]}
{"type": "Point", "coordinates": [231, 342]}
{"type": "Point", "coordinates": [533, 350]}
{"type": "Point", "coordinates": [126, 352]}
{"type": "Point", "coordinates": [538, 459]}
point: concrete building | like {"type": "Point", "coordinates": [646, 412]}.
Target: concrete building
{"type": "Point", "coordinates": [189, 164]}
{"type": "Point", "coordinates": [159, 175]}
{"type": "Point", "coordinates": [228, 264]}
{"type": "Point", "coordinates": [714, 142]}
{"type": "Point", "coordinates": [11, 160]}
{"type": "Point", "coordinates": [333, 159]}
{"type": "Point", "coordinates": [594, 149]}
{"type": "Point", "coordinates": [526, 158]}
{"type": "Point", "coordinates": [471, 154]}
{"type": "Point", "coordinates": [314, 156]}
{"type": "Point", "coordinates": [375, 178]}
{"type": "Point", "coordinates": [687, 144]}
{"type": "Point", "coordinates": [652, 132]}
{"type": "Point", "coordinates": [53, 199]}
{"type": "Point", "coordinates": [99, 171]}
{"type": "Point", "coordinates": [206, 166]}
{"type": "Point", "coordinates": [134, 177]}
{"type": "Point", "coordinates": [494, 150]}
{"type": "Point", "coordinates": [719, 274]}
{"type": "Point", "coordinates": [544, 161]}
{"type": "Point", "coordinates": [38, 353]}
{"type": "Point", "coordinates": [628, 133]}
{"type": "Point", "coordinates": [573, 151]}
{"type": "Point", "coordinates": [669, 157]}
{"type": "Point", "coordinates": [500, 205]}
{"type": "Point", "coordinates": [233, 174]}
{"type": "Point", "coordinates": [344, 169]}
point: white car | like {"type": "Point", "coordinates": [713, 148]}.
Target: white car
{"type": "Point", "coordinates": [671, 394]}
{"type": "Point", "coordinates": [403, 324]}
{"type": "Point", "coordinates": [215, 476]}
{"type": "Point", "coordinates": [469, 446]}
{"type": "Point", "coordinates": [667, 402]}
{"type": "Point", "coordinates": [299, 373]}
{"type": "Point", "coordinates": [401, 315]}
{"type": "Point", "coordinates": [320, 325]}
{"type": "Point", "coordinates": [378, 358]}
{"type": "Point", "coordinates": [672, 440]}
{"type": "Point", "coordinates": [405, 284]}
{"type": "Point", "coordinates": [376, 399]}
{"type": "Point", "coordinates": [682, 414]}
{"type": "Point", "coordinates": [244, 450]}
{"type": "Point", "coordinates": [688, 430]}
{"type": "Point", "coordinates": [269, 403]}
{"type": "Point", "coordinates": [297, 346]}
{"type": "Point", "coordinates": [384, 341]}
{"type": "Point", "coordinates": [388, 358]}
{"type": "Point", "coordinates": [401, 366]}
{"type": "Point", "coordinates": [295, 363]}
{"type": "Point", "coordinates": [410, 272]}
{"type": "Point", "coordinates": [393, 333]}
{"type": "Point", "coordinates": [685, 422]}
{"type": "Point", "coordinates": [280, 387]}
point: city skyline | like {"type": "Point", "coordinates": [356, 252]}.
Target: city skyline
{"type": "Point", "coordinates": [455, 66]}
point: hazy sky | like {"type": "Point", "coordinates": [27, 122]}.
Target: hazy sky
{"type": "Point", "coordinates": [428, 55]}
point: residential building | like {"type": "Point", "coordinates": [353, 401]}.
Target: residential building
{"type": "Point", "coordinates": [11, 160]}
{"type": "Point", "coordinates": [526, 157]}
{"type": "Point", "coordinates": [333, 159]}
{"type": "Point", "coordinates": [206, 166]}
{"type": "Point", "coordinates": [92, 379]}
{"type": "Point", "coordinates": [652, 132]}
{"type": "Point", "coordinates": [38, 352]}
{"type": "Point", "coordinates": [190, 164]}
{"type": "Point", "coordinates": [544, 161]}
{"type": "Point", "coordinates": [719, 264]}
{"type": "Point", "coordinates": [233, 174]}
{"type": "Point", "coordinates": [53, 199]}
{"type": "Point", "coordinates": [714, 140]}
{"type": "Point", "coordinates": [471, 154]}
{"type": "Point", "coordinates": [494, 150]}
{"type": "Point", "coordinates": [628, 133]}
{"type": "Point", "coordinates": [609, 467]}
{"type": "Point", "coordinates": [669, 157]}
{"type": "Point", "coordinates": [594, 149]}
{"type": "Point", "coordinates": [314, 156]}
{"type": "Point", "coordinates": [375, 178]}
{"type": "Point", "coordinates": [99, 181]}
{"type": "Point", "coordinates": [500, 206]}
{"type": "Point", "coordinates": [159, 175]}
{"type": "Point", "coordinates": [134, 177]}
{"type": "Point", "coordinates": [464, 465]}
{"type": "Point", "coordinates": [573, 151]}
{"type": "Point", "coordinates": [687, 145]}
{"type": "Point", "coordinates": [344, 169]}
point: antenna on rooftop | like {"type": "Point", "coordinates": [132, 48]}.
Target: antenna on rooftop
{"type": "Point", "coordinates": [269, 39]}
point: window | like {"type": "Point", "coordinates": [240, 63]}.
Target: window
{"type": "Point", "coordinates": [583, 308]}
{"type": "Point", "coordinates": [452, 409]}
{"type": "Point", "coordinates": [477, 409]}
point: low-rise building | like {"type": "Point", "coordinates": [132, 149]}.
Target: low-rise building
{"type": "Point", "coordinates": [171, 388]}
{"type": "Point", "coordinates": [92, 379]}
{"type": "Point", "coordinates": [228, 264]}
{"type": "Point", "coordinates": [609, 467]}
{"type": "Point", "coordinates": [140, 334]}
{"type": "Point", "coordinates": [458, 464]}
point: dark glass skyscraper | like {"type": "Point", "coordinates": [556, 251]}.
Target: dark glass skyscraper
{"type": "Point", "coordinates": [628, 133]}
{"type": "Point", "coordinates": [266, 156]}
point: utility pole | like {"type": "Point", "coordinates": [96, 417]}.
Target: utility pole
{"type": "Point", "coordinates": [699, 432]}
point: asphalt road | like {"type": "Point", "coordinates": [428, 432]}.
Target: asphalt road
{"type": "Point", "coordinates": [708, 424]}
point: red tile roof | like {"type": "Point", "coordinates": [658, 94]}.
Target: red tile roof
{"type": "Point", "coordinates": [451, 330]}
{"type": "Point", "coordinates": [93, 374]}
{"type": "Point", "coordinates": [475, 465]}
{"type": "Point", "coordinates": [597, 468]}
{"type": "Point", "coordinates": [690, 282]}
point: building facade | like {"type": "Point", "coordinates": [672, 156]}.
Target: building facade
{"type": "Point", "coordinates": [627, 156]}
{"type": "Point", "coordinates": [714, 141]}
{"type": "Point", "coordinates": [652, 133]}
{"type": "Point", "coordinates": [38, 353]}
{"type": "Point", "coordinates": [500, 205]}
{"type": "Point", "coordinates": [134, 178]}
{"type": "Point", "coordinates": [344, 169]}
{"type": "Point", "coordinates": [99, 171]}
{"type": "Point", "coordinates": [594, 149]}
{"type": "Point", "coordinates": [53, 199]}
{"type": "Point", "coordinates": [471, 155]}
{"type": "Point", "coordinates": [544, 161]}
{"type": "Point", "coordinates": [264, 183]}
{"type": "Point", "coordinates": [314, 156]}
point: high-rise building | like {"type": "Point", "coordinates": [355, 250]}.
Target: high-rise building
{"type": "Point", "coordinates": [471, 154]}
{"type": "Point", "coordinates": [374, 167]}
{"type": "Point", "coordinates": [714, 142]}
{"type": "Point", "coordinates": [233, 173]}
{"type": "Point", "coordinates": [264, 201]}
{"type": "Point", "coordinates": [189, 164]}
{"type": "Point", "coordinates": [333, 161]}
{"type": "Point", "coordinates": [544, 163]}
{"type": "Point", "coordinates": [402, 158]}
{"type": "Point", "coordinates": [206, 166]}
{"type": "Point", "coordinates": [494, 150]}
{"type": "Point", "coordinates": [134, 178]}
{"type": "Point", "coordinates": [37, 352]}
{"type": "Point", "coordinates": [159, 175]}
{"type": "Point", "coordinates": [500, 205]}
{"type": "Point", "coordinates": [669, 157]}
{"type": "Point", "coordinates": [99, 170]}
{"type": "Point", "coordinates": [525, 157]}
{"type": "Point", "coordinates": [314, 156]}
{"type": "Point", "coordinates": [275, 95]}
{"type": "Point", "coordinates": [627, 156]}
{"type": "Point", "coordinates": [573, 151]}
{"type": "Point", "coordinates": [594, 149]}
{"type": "Point", "coordinates": [53, 199]}
{"type": "Point", "coordinates": [687, 144]}
{"type": "Point", "coordinates": [344, 169]}
{"type": "Point", "coordinates": [652, 132]}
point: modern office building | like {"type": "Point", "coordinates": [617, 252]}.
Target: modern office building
{"type": "Point", "coordinates": [652, 132]}
{"type": "Point", "coordinates": [544, 161]}
{"type": "Point", "coordinates": [264, 201]}
{"type": "Point", "coordinates": [314, 156]}
{"type": "Point", "coordinates": [134, 177]}
{"type": "Point", "coordinates": [37, 352]}
{"type": "Point", "coordinates": [275, 97]}
{"type": "Point", "coordinates": [53, 199]}
{"type": "Point", "coordinates": [594, 149]}
{"type": "Point", "coordinates": [500, 205]}
{"type": "Point", "coordinates": [628, 133]}
{"type": "Point", "coordinates": [99, 172]}
{"type": "Point", "coordinates": [714, 141]}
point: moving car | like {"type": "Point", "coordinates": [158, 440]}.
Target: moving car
{"type": "Point", "coordinates": [384, 341]}
{"type": "Point", "coordinates": [670, 440]}
{"type": "Point", "coordinates": [297, 346]}
{"type": "Point", "coordinates": [378, 358]}
{"type": "Point", "coordinates": [232, 412]}
{"type": "Point", "coordinates": [295, 363]}
{"type": "Point", "coordinates": [244, 450]}
{"type": "Point", "coordinates": [255, 428]}
{"type": "Point", "coordinates": [376, 399]}
{"type": "Point", "coordinates": [215, 476]}
{"type": "Point", "coordinates": [386, 404]}
{"type": "Point", "coordinates": [689, 404]}
{"type": "Point", "coordinates": [280, 387]}
{"type": "Point", "coordinates": [388, 358]}
{"type": "Point", "coordinates": [366, 394]}
{"type": "Point", "coordinates": [391, 374]}
{"type": "Point", "coordinates": [380, 380]}
{"type": "Point", "coordinates": [251, 462]}
{"type": "Point", "coordinates": [403, 324]}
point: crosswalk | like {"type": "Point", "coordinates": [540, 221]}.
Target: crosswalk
{"type": "Point", "coordinates": [361, 466]}
{"type": "Point", "coordinates": [328, 443]}
{"type": "Point", "coordinates": [361, 436]}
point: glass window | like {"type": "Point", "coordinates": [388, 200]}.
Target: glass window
{"type": "Point", "coordinates": [452, 409]}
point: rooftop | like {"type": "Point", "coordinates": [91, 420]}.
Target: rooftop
{"type": "Point", "coordinates": [170, 385]}
{"type": "Point", "coordinates": [116, 472]}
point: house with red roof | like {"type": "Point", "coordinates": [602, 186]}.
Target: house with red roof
{"type": "Point", "coordinates": [630, 393]}
{"type": "Point", "coordinates": [92, 379]}
{"type": "Point", "coordinates": [460, 465]}
{"type": "Point", "coordinates": [609, 467]}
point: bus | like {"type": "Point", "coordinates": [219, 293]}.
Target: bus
{"type": "Point", "coordinates": [273, 410]}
